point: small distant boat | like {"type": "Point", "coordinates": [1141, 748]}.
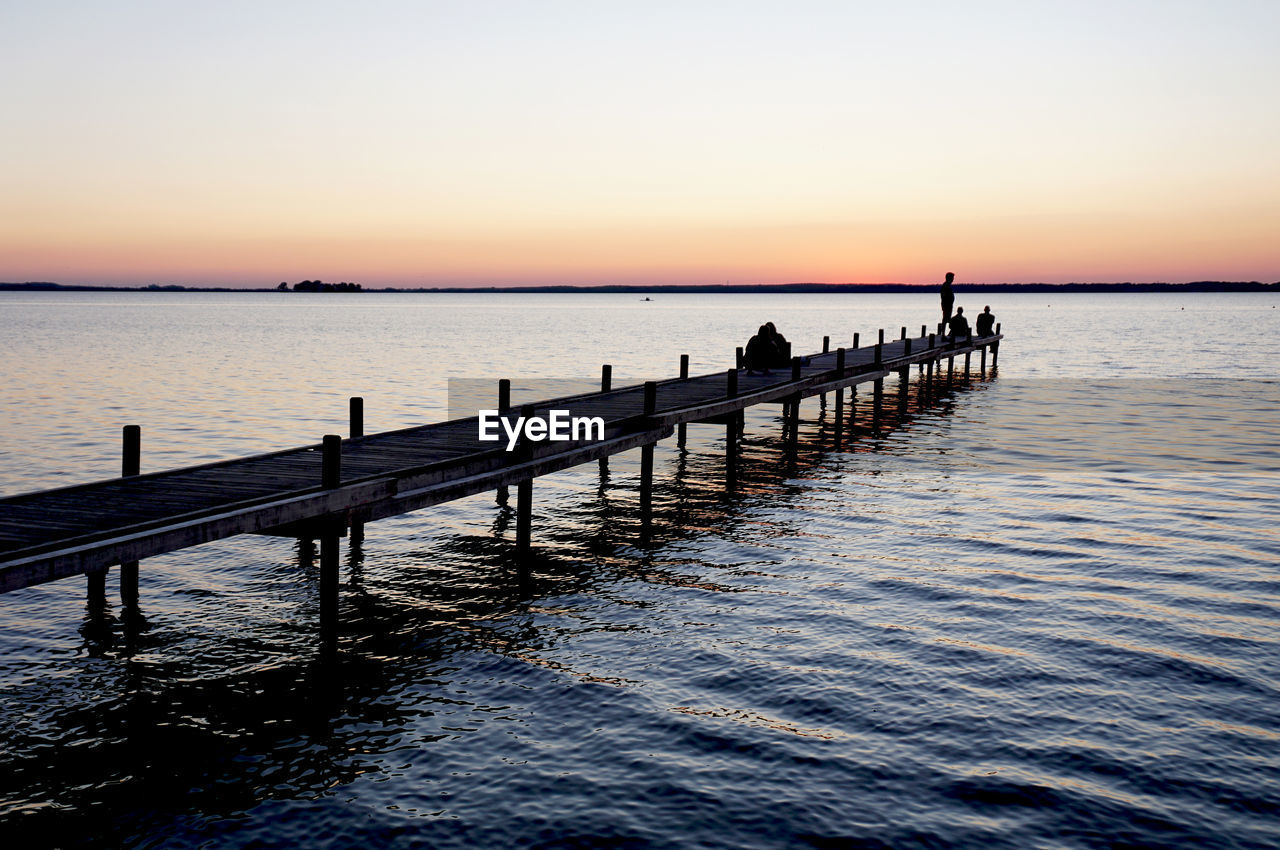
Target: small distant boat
{"type": "Point", "coordinates": [646, 298]}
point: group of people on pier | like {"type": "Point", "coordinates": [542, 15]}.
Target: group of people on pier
{"type": "Point", "coordinates": [770, 349]}
{"type": "Point", "coordinates": [958, 326]}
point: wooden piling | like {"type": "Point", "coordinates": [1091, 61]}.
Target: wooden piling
{"type": "Point", "coordinates": [355, 411]}
{"type": "Point", "coordinates": [130, 465]}
{"type": "Point", "coordinates": [855, 341]}
{"type": "Point", "coordinates": [524, 493]}
{"type": "Point", "coordinates": [982, 363]}
{"type": "Point", "coordinates": [331, 462]}
{"type": "Point", "coordinates": [682, 428]}
{"type": "Point", "coordinates": [503, 495]}
{"type": "Point", "coordinates": [646, 455]}
{"type": "Point", "coordinates": [881, 341]}
{"type": "Point", "coordinates": [731, 431]}
{"type": "Point", "coordinates": [606, 385]}
{"type": "Point", "coordinates": [839, 427]}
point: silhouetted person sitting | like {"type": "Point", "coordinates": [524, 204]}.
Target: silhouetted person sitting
{"type": "Point", "coordinates": [985, 322]}
{"type": "Point", "coordinates": [948, 298]}
{"type": "Point", "coordinates": [959, 324]}
{"type": "Point", "coordinates": [760, 353]}
{"type": "Point", "coordinates": [781, 348]}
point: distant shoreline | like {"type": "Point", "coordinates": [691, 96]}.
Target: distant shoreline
{"type": "Point", "coordinates": [1197, 286]}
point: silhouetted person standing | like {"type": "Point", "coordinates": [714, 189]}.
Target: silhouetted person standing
{"type": "Point", "coordinates": [985, 322]}
{"type": "Point", "coordinates": [959, 324]}
{"type": "Point", "coordinates": [948, 298]}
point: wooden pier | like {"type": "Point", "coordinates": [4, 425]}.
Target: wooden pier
{"type": "Point", "coordinates": [322, 491]}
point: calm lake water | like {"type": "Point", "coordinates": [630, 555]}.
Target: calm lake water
{"type": "Point", "coordinates": [1040, 610]}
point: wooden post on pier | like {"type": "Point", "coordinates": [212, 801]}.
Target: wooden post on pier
{"type": "Point", "coordinates": [982, 363]}
{"type": "Point", "coordinates": [524, 494]}
{"type": "Point", "coordinates": [881, 341]}
{"type": "Point", "coordinates": [995, 349]}
{"type": "Point", "coordinates": [606, 385]}
{"type": "Point", "coordinates": [738, 357]}
{"type": "Point", "coordinates": [130, 465]}
{"type": "Point", "coordinates": [967, 355]}
{"type": "Point", "coordinates": [646, 456]}
{"type": "Point", "coordinates": [826, 347]}
{"type": "Point", "coordinates": [684, 376]}
{"type": "Point", "coordinates": [791, 415]}
{"type": "Point", "coordinates": [504, 404]}
{"type": "Point", "coordinates": [855, 341]}
{"type": "Point", "coordinates": [355, 407]}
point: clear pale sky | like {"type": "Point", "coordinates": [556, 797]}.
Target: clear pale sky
{"type": "Point", "coordinates": [488, 143]}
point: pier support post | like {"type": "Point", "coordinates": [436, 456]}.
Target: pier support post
{"type": "Point", "coordinates": [791, 418]}
{"type": "Point", "coordinates": [826, 347]}
{"type": "Point", "coordinates": [839, 397]}
{"type": "Point", "coordinates": [951, 368]}
{"type": "Point", "coordinates": [355, 407]}
{"type": "Point", "coordinates": [881, 340]}
{"type": "Point", "coordinates": [967, 355]}
{"type": "Point", "coordinates": [855, 341]}
{"type": "Point", "coordinates": [682, 428]}
{"type": "Point", "coordinates": [330, 477]}
{"type": "Point", "coordinates": [606, 385]}
{"type": "Point", "coordinates": [503, 494]}
{"type": "Point", "coordinates": [982, 363]}
{"type": "Point", "coordinates": [995, 350]}
{"type": "Point", "coordinates": [524, 495]}
{"type": "Point", "coordinates": [732, 430]}
{"type": "Point", "coordinates": [130, 465]}
{"type": "Point", "coordinates": [646, 456]}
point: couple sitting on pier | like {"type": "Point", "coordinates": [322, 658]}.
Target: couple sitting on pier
{"type": "Point", "coordinates": [767, 348]}
{"type": "Point", "coordinates": [959, 325]}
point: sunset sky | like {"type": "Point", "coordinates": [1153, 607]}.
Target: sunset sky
{"type": "Point", "coordinates": [493, 143]}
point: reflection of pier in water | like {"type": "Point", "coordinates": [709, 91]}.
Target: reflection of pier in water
{"type": "Point", "coordinates": [87, 528]}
